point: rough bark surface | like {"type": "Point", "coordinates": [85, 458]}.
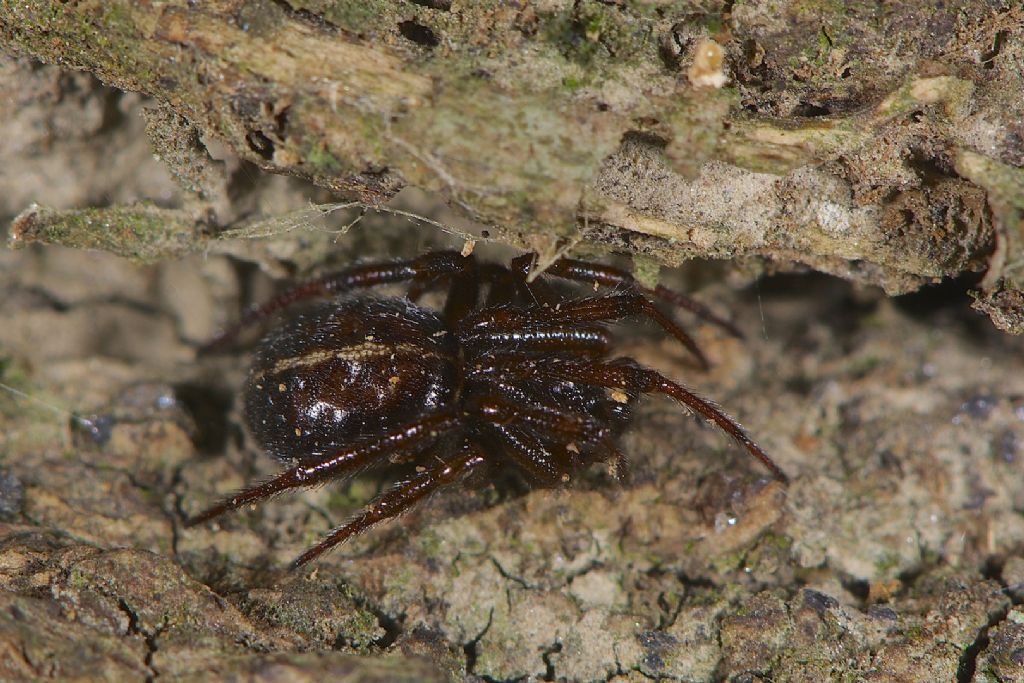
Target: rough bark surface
{"type": "Point", "coordinates": [882, 144]}
{"type": "Point", "coordinates": [894, 555]}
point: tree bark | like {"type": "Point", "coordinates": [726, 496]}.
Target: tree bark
{"type": "Point", "coordinates": [876, 144]}
{"type": "Point", "coordinates": [881, 146]}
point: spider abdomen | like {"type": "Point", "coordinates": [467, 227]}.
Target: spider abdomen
{"type": "Point", "coordinates": [345, 369]}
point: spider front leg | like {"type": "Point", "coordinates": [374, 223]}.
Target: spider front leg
{"type": "Point", "coordinates": [420, 270]}
{"type": "Point", "coordinates": [399, 499]}
{"type": "Point", "coordinates": [583, 341]}
{"type": "Point", "coordinates": [405, 439]}
{"type": "Point", "coordinates": [635, 379]}
{"type": "Point", "coordinates": [602, 275]}
{"type": "Point", "coordinates": [597, 309]}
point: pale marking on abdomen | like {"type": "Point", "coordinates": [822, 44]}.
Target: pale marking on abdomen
{"type": "Point", "coordinates": [361, 352]}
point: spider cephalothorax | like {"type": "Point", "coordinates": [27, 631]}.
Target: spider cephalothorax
{"type": "Point", "coordinates": [509, 375]}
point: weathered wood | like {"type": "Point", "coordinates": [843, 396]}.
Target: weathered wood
{"type": "Point", "coordinates": [837, 142]}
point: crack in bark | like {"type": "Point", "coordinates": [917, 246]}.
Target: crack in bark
{"type": "Point", "coordinates": [549, 664]}
{"type": "Point", "coordinates": [968, 664]}
{"type": "Point", "coordinates": [391, 625]}
{"type": "Point", "coordinates": [469, 648]}
{"type": "Point", "coordinates": [969, 659]}
{"type": "Point", "coordinates": [512, 577]}
{"type": "Point", "coordinates": [135, 628]}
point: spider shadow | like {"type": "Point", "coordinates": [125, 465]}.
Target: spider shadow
{"type": "Point", "coordinates": [790, 303]}
{"type": "Point", "coordinates": [947, 305]}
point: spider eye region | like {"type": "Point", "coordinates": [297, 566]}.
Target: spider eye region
{"type": "Point", "coordinates": [347, 369]}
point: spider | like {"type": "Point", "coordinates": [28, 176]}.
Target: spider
{"type": "Point", "coordinates": [509, 374]}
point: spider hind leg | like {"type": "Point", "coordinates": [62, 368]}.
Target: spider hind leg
{"type": "Point", "coordinates": [398, 500]}
{"type": "Point", "coordinates": [625, 373]}
{"type": "Point", "coordinates": [408, 438]}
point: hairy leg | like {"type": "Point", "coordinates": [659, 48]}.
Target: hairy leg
{"type": "Point", "coordinates": [547, 442]}
{"type": "Point", "coordinates": [399, 499]}
{"type": "Point", "coordinates": [596, 309]}
{"type": "Point", "coordinates": [626, 375]}
{"type": "Point", "coordinates": [541, 465]}
{"type": "Point", "coordinates": [585, 341]}
{"type": "Point", "coordinates": [602, 275]}
{"type": "Point", "coordinates": [503, 405]}
{"type": "Point", "coordinates": [408, 438]}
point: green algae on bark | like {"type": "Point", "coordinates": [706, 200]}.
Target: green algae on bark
{"type": "Point", "coordinates": [142, 232]}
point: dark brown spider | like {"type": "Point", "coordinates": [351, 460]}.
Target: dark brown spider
{"type": "Point", "coordinates": [509, 374]}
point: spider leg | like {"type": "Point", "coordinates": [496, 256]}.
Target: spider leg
{"type": "Point", "coordinates": [417, 289]}
{"type": "Point", "coordinates": [595, 309]}
{"type": "Point", "coordinates": [507, 287]}
{"type": "Point", "coordinates": [584, 341]}
{"type": "Point", "coordinates": [409, 437]}
{"type": "Point", "coordinates": [541, 439]}
{"type": "Point", "coordinates": [400, 498]}
{"type": "Point", "coordinates": [608, 276]}
{"type": "Point", "coordinates": [463, 288]}
{"type": "Point", "coordinates": [497, 276]}
{"type": "Point", "coordinates": [626, 374]}
{"type": "Point", "coordinates": [539, 463]}
{"type": "Point", "coordinates": [463, 292]}
{"type": "Point", "coordinates": [511, 406]}
{"type": "Point", "coordinates": [540, 290]}
{"type": "Point", "coordinates": [421, 269]}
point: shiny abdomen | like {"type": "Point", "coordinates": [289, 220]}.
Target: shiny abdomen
{"type": "Point", "coordinates": [346, 369]}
